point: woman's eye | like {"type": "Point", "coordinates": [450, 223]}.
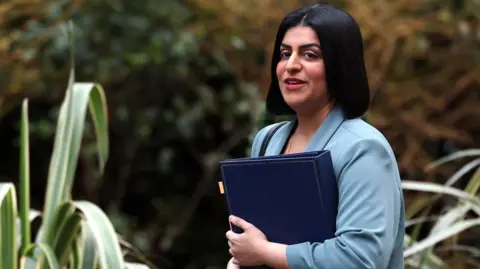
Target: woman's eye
{"type": "Point", "coordinates": [284, 54]}
{"type": "Point", "coordinates": [307, 55]}
{"type": "Point", "coordinates": [310, 55]}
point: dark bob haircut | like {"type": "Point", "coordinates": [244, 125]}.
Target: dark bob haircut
{"type": "Point", "coordinates": [342, 50]}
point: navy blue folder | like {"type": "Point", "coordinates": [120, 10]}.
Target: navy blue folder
{"type": "Point", "coordinates": [291, 198]}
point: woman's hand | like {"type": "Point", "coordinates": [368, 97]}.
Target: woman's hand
{"type": "Point", "coordinates": [247, 248]}
{"type": "Point", "coordinates": [231, 265]}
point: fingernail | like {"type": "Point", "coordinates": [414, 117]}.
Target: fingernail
{"type": "Point", "coordinates": [232, 218]}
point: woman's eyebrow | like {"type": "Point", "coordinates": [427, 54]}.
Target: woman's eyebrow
{"type": "Point", "coordinates": [303, 46]}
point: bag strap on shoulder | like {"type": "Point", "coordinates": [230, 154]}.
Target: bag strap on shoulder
{"type": "Point", "coordinates": [269, 136]}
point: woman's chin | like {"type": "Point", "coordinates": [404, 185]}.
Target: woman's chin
{"type": "Point", "coordinates": [303, 106]}
{"type": "Point", "coordinates": [296, 105]}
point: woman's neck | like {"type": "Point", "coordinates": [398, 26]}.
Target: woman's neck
{"type": "Point", "coordinates": [308, 123]}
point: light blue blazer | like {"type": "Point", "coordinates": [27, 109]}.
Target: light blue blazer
{"type": "Point", "coordinates": [371, 219]}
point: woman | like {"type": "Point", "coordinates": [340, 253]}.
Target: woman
{"type": "Point", "coordinates": [318, 75]}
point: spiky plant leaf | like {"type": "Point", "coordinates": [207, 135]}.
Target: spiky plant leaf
{"type": "Point", "coordinates": [108, 247]}
{"type": "Point", "coordinates": [436, 238]}
{"type": "Point", "coordinates": [24, 178]}
{"type": "Point", "coordinates": [30, 258]}
{"type": "Point", "coordinates": [8, 233]}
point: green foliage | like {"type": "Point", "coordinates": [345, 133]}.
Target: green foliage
{"type": "Point", "coordinates": [457, 216]}
{"type": "Point", "coordinates": [73, 234]}
{"type": "Point", "coordinates": [181, 79]}
{"type": "Point", "coordinates": [8, 213]}
{"type": "Point", "coordinates": [175, 108]}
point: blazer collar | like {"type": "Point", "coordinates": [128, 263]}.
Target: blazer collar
{"type": "Point", "coordinates": [319, 140]}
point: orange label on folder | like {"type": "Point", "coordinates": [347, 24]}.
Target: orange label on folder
{"type": "Point", "coordinates": [220, 185]}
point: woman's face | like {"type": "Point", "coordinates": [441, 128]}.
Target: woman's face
{"type": "Point", "coordinates": [301, 72]}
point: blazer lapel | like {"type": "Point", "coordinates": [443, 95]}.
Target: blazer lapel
{"type": "Point", "coordinates": [319, 139]}
{"type": "Point", "coordinates": [327, 129]}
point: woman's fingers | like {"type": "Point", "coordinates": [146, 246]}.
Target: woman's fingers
{"type": "Point", "coordinates": [233, 264]}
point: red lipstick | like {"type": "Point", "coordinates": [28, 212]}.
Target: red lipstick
{"type": "Point", "coordinates": [293, 83]}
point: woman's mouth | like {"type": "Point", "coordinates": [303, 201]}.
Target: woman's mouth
{"type": "Point", "coordinates": [293, 83]}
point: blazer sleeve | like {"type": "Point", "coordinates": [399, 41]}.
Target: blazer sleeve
{"type": "Point", "coordinates": [368, 213]}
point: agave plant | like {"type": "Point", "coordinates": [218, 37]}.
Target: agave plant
{"type": "Point", "coordinates": [72, 234]}
{"type": "Point", "coordinates": [453, 219]}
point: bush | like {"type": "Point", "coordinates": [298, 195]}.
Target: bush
{"type": "Point", "coordinates": [77, 234]}
{"type": "Point", "coordinates": [456, 217]}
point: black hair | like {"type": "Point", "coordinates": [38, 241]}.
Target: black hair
{"type": "Point", "coordinates": [342, 49]}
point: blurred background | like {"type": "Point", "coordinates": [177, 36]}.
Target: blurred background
{"type": "Point", "coordinates": [185, 83]}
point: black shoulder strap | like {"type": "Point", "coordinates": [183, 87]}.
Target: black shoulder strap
{"type": "Point", "coordinates": [269, 135]}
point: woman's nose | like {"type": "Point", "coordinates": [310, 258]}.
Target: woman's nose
{"type": "Point", "coordinates": [293, 63]}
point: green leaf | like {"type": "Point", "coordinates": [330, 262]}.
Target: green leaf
{"type": "Point", "coordinates": [462, 171]}
{"type": "Point", "coordinates": [430, 260]}
{"type": "Point", "coordinates": [62, 215]}
{"type": "Point", "coordinates": [33, 215]}
{"type": "Point", "coordinates": [89, 251]}
{"type": "Point", "coordinates": [449, 218]}
{"type": "Point", "coordinates": [47, 252]}
{"type": "Point", "coordinates": [8, 233]}
{"type": "Point", "coordinates": [76, 258]}
{"type": "Point", "coordinates": [93, 95]}
{"type": "Point", "coordinates": [437, 237]}
{"type": "Point", "coordinates": [24, 178]}
{"type": "Point", "coordinates": [66, 237]}
{"type": "Point", "coordinates": [27, 262]}
{"type": "Point", "coordinates": [460, 211]}
{"type": "Point", "coordinates": [454, 156]}
{"type": "Point", "coordinates": [66, 234]}
{"type": "Point", "coordinates": [131, 265]}
{"type": "Point", "coordinates": [440, 189]}
{"type": "Point", "coordinates": [108, 247]}
{"type": "Point", "coordinates": [474, 183]}
{"type": "Point", "coordinates": [84, 249]}
{"type": "Point", "coordinates": [63, 212]}
{"type": "Point", "coordinates": [68, 140]}
{"type": "Point", "coordinates": [57, 173]}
